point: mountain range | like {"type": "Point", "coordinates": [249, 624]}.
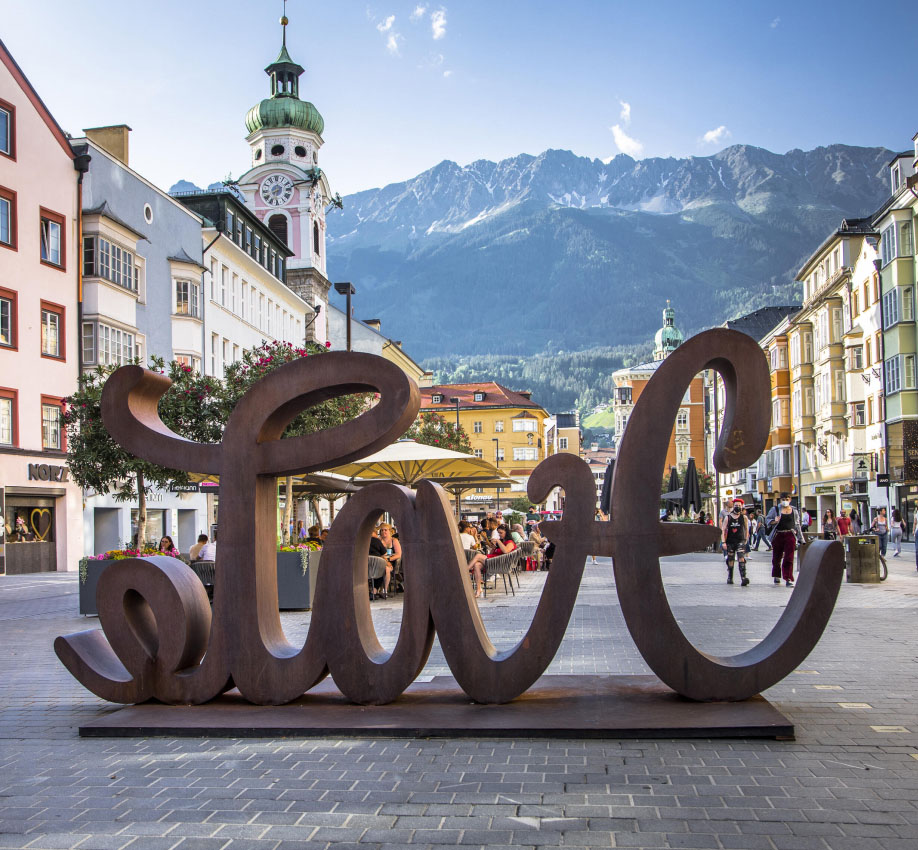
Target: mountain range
{"type": "Point", "coordinates": [562, 252]}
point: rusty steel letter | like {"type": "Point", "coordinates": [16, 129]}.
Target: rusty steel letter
{"type": "Point", "coordinates": [159, 639]}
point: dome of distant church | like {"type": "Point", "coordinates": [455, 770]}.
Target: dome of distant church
{"type": "Point", "coordinates": [280, 112]}
{"type": "Point", "coordinates": [669, 337]}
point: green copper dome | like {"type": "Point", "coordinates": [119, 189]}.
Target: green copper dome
{"type": "Point", "coordinates": [669, 337]}
{"type": "Point", "coordinates": [282, 111]}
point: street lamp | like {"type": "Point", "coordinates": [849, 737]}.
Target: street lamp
{"type": "Point", "coordinates": [346, 288]}
{"type": "Point", "coordinates": [455, 401]}
{"type": "Point", "coordinates": [497, 464]}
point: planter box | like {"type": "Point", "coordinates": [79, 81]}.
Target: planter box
{"type": "Point", "coordinates": [295, 589]}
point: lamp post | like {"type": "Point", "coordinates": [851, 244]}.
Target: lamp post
{"type": "Point", "coordinates": [346, 288]}
{"type": "Point", "coordinates": [497, 464]}
{"type": "Point", "coordinates": [455, 401]}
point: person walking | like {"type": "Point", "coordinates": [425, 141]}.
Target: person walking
{"type": "Point", "coordinates": [855, 521]}
{"type": "Point", "coordinates": [895, 532]}
{"type": "Point", "coordinates": [761, 531]}
{"type": "Point", "coordinates": [734, 537]}
{"type": "Point", "coordinates": [805, 520]}
{"type": "Point", "coordinates": [829, 525]}
{"type": "Point", "coordinates": [844, 525]}
{"type": "Point", "coordinates": [785, 537]}
{"type": "Point", "coordinates": [880, 527]}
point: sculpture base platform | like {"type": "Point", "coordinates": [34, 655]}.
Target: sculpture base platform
{"type": "Point", "coordinates": [555, 707]}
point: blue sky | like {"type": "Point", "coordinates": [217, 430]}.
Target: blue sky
{"type": "Point", "coordinates": [403, 85]}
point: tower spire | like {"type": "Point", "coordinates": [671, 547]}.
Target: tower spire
{"type": "Point", "coordinates": [284, 21]}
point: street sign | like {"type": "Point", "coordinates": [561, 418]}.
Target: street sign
{"type": "Point", "coordinates": [882, 479]}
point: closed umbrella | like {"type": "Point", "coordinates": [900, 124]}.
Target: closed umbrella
{"type": "Point", "coordinates": [691, 489]}
{"type": "Point", "coordinates": [605, 498]}
{"type": "Point", "coordinates": [674, 496]}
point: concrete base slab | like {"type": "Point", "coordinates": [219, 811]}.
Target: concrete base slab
{"type": "Point", "coordinates": [554, 707]}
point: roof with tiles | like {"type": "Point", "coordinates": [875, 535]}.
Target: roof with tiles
{"type": "Point", "coordinates": [481, 395]}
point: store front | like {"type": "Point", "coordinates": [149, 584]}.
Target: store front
{"type": "Point", "coordinates": [41, 516]}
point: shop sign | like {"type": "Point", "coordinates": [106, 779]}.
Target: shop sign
{"type": "Point", "coordinates": [861, 467]}
{"type": "Point", "coordinates": [48, 472]}
{"type": "Point", "coordinates": [882, 479]}
{"type": "Point", "coordinates": [823, 489]}
{"type": "Point", "coordinates": [184, 488]}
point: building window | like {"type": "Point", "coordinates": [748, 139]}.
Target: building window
{"type": "Point", "coordinates": [437, 399]}
{"type": "Point", "coordinates": [524, 424]}
{"type": "Point", "coordinates": [478, 453]}
{"type": "Point", "coordinates": [187, 298]}
{"type": "Point", "coordinates": [893, 383]}
{"type": "Point", "coordinates": [855, 358]}
{"type": "Point", "coordinates": [905, 239]}
{"type": "Point", "coordinates": [858, 414]}
{"type": "Point", "coordinates": [888, 244]}
{"type": "Point", "coordinates": [908, 371]}
{"type": "Point", "coordinates": [479, 396]}
{"type": "Point", "coordinates": [891, 308]}
{"type": "Point", "coordinates": [681, 454]}
{"type": "Point", "coordinates": [908, 307]}
{"type": "Point", "coordinates": [476, 427]}
{"type": "Point", "coordinates": [499, 425]}
{"type": "Point", "coordinates": [8, 435]}
{"type": "Point", "coordinates": [102, 258]}
{"type": "Point", "coordinates": [230, 226]}
{"type": "Point", "coordinates": [8, 318]}
{"type": "Point", "coordinates": [315, 238]}
{"type": "Point", "coordinates": [562, 444]}
{"type": "Point", "coordinates": [525, 453]}
{"type": "Point", "coordinates": [7, 129]}
{"type": "Point", "coordinates": [7, 218]}
{"type": "Point", "coordinates": [52, 330]}
{"type": "Point", "coordinates": [51, 433]}
{"type": "Point", "coordinates": [52, 239]}
{"type": "Point", "coordinates": [104, 345]}
{"type": "Point", "coordinates": [499, 454]}
{"type": "Point", "coordinates": [682, 420]}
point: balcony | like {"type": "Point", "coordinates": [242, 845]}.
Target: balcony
{"type": "Point", "coordinates": [802, 372]}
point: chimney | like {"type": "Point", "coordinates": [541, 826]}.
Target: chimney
{"type": "Point", "coordinates": [372, 323]}
{"type": "Point", "coordinates": [526, 394]}
{"type": "Point", "coordinates": [113, 140]}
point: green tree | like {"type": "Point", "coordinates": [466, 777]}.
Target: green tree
{"type": "Point", "coordinates": [432, 429]}
{"type": "Point", "coordinates": [191, 407]}
{"type": "Point", "coordinates": [520, 504]}
{"type": "Point", "coordinates": [265, 358]}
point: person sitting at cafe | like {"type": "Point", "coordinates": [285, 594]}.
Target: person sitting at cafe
{"type": "Point", "coordinates": [167, 547]}
{"type": "Point", "coordinates": [393, 552]}
{"type": "Point", "coordinates": [194, 553]}
{"type": "Point", "coordinates": [466, 538]}
{"type": "Point", "coordinates": [315, 536]}
{"type": "Point", "coordinates": [502, 546]}
{"type": "Point", "coordinates": [208, 552]}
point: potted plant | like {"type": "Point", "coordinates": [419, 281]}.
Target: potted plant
{"type": "Point", "coordinates": [297, 568]}
{"type": "Point", "coordinates": [92, 567]}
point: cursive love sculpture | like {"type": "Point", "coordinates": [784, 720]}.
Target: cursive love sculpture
{"type": "Point", "coordinates": [160, 640]}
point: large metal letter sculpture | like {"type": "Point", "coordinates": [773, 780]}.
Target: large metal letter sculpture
{"type": "Point", "coordinates": [163, 643]}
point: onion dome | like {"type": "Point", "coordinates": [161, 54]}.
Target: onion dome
{"type": "Point", "coordinates": [669, 337]}
{"type": "Point", "coordinates": [284, 109]}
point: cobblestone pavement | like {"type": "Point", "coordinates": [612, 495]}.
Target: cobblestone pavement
{"type": "Point", "coordinates": [850, 780]}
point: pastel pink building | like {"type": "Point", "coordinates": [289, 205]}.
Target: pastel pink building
{"type": "Point", "coordinates": [39, 279]}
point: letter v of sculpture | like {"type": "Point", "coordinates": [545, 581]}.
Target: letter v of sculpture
{"type": "Point", "coordinates": [162, 641]}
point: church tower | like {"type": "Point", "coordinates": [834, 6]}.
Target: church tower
{"type": "Point", "coordinates": [669, 337]}
{"type": "Point", "coordinates": [285, 187]}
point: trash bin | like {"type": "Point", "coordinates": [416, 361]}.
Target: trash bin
{"type": "Point", "coordinates": [863, 558]}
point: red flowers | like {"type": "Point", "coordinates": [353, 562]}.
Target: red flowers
{"type": "Point", "coordinates": [328, 343]}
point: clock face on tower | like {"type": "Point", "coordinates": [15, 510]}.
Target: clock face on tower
{"type": "Point", "coordinates": [276, 190]}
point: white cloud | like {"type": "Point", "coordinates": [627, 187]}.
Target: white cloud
{"type": "Point", "coordinates": [625, 143]}
{"type": "Point", "coordinates": [447, 73]}
{"type": "Point", "coordinates": [438, 23]}
{"type": "Point", "coordinates": [419, 12]}
{"type": "Point", "coordinates": [716, 136]}
{"type": "Point", "coordinates": [625, 114]}
{"type": "Point", "coordinates": [392, 43]}
{"type": "Point", "coordinates": [774, 24]}
{"type": "Point", "coordinates": [386, 25]}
